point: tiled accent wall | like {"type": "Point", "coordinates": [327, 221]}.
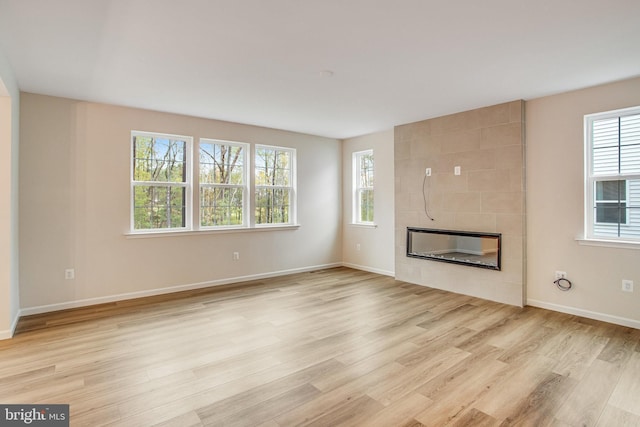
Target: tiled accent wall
{"type": "Point", "coordinates": [488, 195]}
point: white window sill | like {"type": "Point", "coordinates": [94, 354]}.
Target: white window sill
{"type": "Point", "coordinates": [166, 233]}
{"type": "Point", "coordinates": [621, 244]}
{"type": "Point", "coordinates": [363, 225]}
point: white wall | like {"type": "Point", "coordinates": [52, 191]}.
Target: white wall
{"type": "Point", "coordinates": [74, 199]}
{"type": "Point", "coordinates": [376, 252]}
{"type": "Point", "coordinates": [9, 124]}
{"type": "Point", "coordinates": [555, 210]}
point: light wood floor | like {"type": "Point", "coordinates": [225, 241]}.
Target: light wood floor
{"type": "Point", "coordinates": [327, 348]}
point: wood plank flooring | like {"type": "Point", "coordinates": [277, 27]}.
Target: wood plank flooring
{"type": "Point", "coordinates": [327, 348]}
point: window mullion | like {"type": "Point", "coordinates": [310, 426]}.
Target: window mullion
{"type": "Point", "coordinates": [619, 148]}
{"type": "Point", "coordinates": [159, 184]}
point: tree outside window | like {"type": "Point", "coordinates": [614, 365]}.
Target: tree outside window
{"type": "Point", "coordinates": [163, 179]}
{"type": "Point", "coordinates": [222, 175]}
{"type": "Point", "coordinates": [160, 181]}
{"type": "Point", "coordinates": [274, 190]}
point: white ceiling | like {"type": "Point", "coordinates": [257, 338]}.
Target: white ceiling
{"type": "Point", "coordinates": [261, 61]}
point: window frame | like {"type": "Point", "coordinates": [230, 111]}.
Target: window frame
{"type": "Point", "coordinates": [358, 188]}
{"type": "Point", "coordinates": [246, 148]}
{"type": "Point", "coordinates": [187, 184]}
{"type": "Point", "coordinates": [192, 188]}
{"type": "Point", "coordinates": [591, 178]}
{"type": "Point", "coordinates": [292, 187]}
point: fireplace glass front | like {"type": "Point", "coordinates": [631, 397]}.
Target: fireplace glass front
{"type": "Point", "coordinates": [458, 247]}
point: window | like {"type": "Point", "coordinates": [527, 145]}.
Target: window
{"type": "Point", "coordinates": [223, 183]}
{"type": "Point", "coordinates": [160, 181]}
{"type": "Point", "coordinates": [274, 185]}
{"type": "Point", "coordinates": [613, 175]}
{"type": "Point", "coordinates": [363, 174]}
{"type": "Point", "coordinates": [166, 169]}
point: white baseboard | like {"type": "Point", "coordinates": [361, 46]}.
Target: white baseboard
{"type": "Point", "coordinates": [631, 323]}
{"type": "Point", "coordinates": [7, 334]}
{"type": "Point", "coordinates": [369, 269]}
{"type": "Point", "coordinates": [171, 289]}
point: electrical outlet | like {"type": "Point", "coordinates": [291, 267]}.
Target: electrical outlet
{"type": "Point", "coordinates": [69, 274]}
{"type": "Point", "coordinates": [427, 171]}
{"type": "Point", "coordinates": [627, 285]}
{"type": "Point", "coordinates": [357, 246]}
{"type": "Point", "coordinates": [456, 170]}
{"type": "Point", "coordinates": [236, 256]}
{"type": "Point", "coordinates": [561, 275]}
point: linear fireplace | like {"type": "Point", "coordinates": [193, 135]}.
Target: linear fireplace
{"type": "Point", "coordinates": [457, 247]}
